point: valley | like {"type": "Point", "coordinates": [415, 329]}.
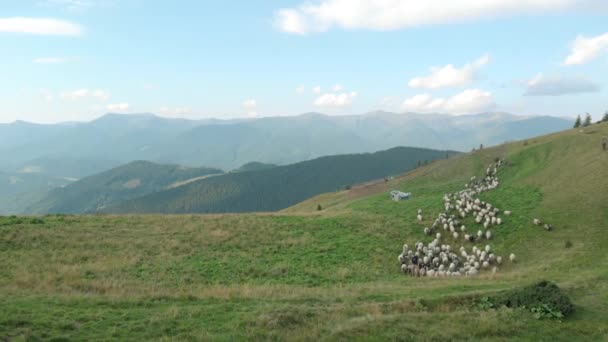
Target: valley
{"type": "Point", "coordinates": [332, 274]}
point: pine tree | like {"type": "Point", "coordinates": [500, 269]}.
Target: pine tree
{"type": "Point", "coordinates": [605, 118]}
{"type": "Point", "coordinates": [319, 207]}
{"type": "Point", "coordinates": [577, 123]}
{"type": "Point", "coordinates": [587, 121]}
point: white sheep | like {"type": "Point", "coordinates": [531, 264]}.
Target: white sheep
{"type": "Point", "coordinates": [537, 222]}
{"type": "Point", "coordinates": [507, 212]}
{"type": "Point", "coordinates": [488, 234]}
{"type": "Point", "coordinates": [512, 257]}
{"type": "Point", "coordinates": [419, 217]}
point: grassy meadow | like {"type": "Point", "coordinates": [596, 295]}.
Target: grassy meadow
{"type": "Point", "coordinates": [333, 274]}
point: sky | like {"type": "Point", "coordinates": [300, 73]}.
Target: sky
{"type": "Point", "coordinates": [75, 60]}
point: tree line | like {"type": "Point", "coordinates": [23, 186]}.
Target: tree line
{"type": "Point", "coordinates": [587, 121]}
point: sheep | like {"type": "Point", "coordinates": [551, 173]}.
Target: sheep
{"type": "Point", "coordinates": [437, 260]}
{"type": "Point", "coordinates": [512, 257]}
{"type": "Point", "coordinates": [507, 212]}
{"type": "Point", "coordinates": [537, 222]}
{"type": "Point", "coordinates": [548, 227]}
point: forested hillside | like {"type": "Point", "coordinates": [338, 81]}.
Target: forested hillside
{"type": "Point", "coordinates": [279, 187]}
{"type": "Point", "coordinates": [95, 192]}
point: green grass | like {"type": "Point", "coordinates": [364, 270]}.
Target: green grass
{"type": "Point", "coordinates": [329, 275]}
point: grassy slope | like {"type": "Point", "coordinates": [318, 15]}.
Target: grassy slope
{"type": "Point", "coordinates": [307, 275]}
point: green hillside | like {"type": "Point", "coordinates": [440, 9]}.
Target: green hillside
{"type": "Point", "coordinates": [330, 275]}
{"type": "Point", "coordinates": [132, 180]}
{"type": "Point", "coordinates": [279, 187]}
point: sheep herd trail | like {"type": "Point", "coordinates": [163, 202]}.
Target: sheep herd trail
{"type": "Point", "coordinates": [438, 259]}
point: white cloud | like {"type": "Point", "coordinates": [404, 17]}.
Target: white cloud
{"type": "Point", "coordinates": [40, 26]}
{"type": "Point", "coordinates": [387, 102]}
{"type": "Point", "coordinates": [542, 85]}
{"type": "Point", "coordinates": [48, 97]}
{"type": "Point", "coordinates": [118, 107]}
{"type": "Point", "coordinates": [300, 90]}
{"type": "Point", "coordinates": [150, 86]}
{"type": "Point", "coordinates": [250, 106]}
{"type": "Point", "coordinates": [450, 76]}
{"type": "Point", "coordinates": [291, 21]}
{"type": "Point", "coordinates": [586, 49]}
{"type": "Point", "coordinates": [323, 15]}
{"type": "Point", "coordinates": [85, 93]}
{"type": "Point", "coordinates": [335, 100]}
{"type": "Point", "coordinates": [316, 90]}
{"type": "Point", "coordinates": [175, 111]}
{"type": "Point", "coordinates": [469, 101]}
{"type": "Point", "coordinates": [75, 5]}
{"type": "Point", "coordinates": [337, 88]}
{"type": "Point", "coordinates": [53, 60]}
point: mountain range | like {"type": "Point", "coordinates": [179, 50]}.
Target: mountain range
{"type": "Point", "coordinates": [38, 158]}
{"type": "Point", "coordinates": [116, 139]}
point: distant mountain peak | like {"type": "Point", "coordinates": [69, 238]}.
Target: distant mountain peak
{"type": "Point", "coordinates": [130, 116]}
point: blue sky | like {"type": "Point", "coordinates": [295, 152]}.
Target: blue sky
{"type": "Point", "coordinates": [78, 59]}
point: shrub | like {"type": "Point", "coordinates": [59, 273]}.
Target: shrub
{"type": "Point", "coordinates": [37, 221]}
{"type": "Point", "coordinates": [568, 244]}
{"type": "Point", "coordinates": [545, 299]}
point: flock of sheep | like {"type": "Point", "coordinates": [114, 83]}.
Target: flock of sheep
{"type": "Point", "coordinates": [437, 259]}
